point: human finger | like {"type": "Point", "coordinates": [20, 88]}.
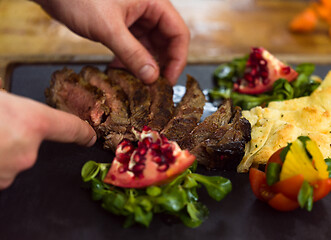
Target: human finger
{"type": "Point", "coordinates": [65, 127]}
{"type": "Point", "coordinates": [132, 53]}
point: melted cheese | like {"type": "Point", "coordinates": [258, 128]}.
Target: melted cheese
{"type": "Point", "coordinates": [283, 121]}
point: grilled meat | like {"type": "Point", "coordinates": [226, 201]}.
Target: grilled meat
{"type": "Point", "coordinates": [162, 105]}
{"type": "Point", "coordinates": [69, 92]}
{"type": "Point", "coordinates": [138, 95]}
{"type": "Point", "coordinates": [225, 147]}
{"type": "Point", "coordinates": [117, 123]}
{"type": "Point", "coordinates": [187, 113]}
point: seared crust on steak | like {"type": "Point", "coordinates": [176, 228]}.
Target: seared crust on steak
{"type": "Point", "coordinates": [137, 93]}
{"type": "Point", "coordinates": [117, 123]}
{"type": "Point", "coordinates": [225, 147]}
{"type": "Point", "coordinates": [210, 125]}
{"type": "Point", "coordinates": [162, 105]}
{"type": "Point", "coordinates": [69, 92]}
{"type": "Point", "coordinates": [187, 113]}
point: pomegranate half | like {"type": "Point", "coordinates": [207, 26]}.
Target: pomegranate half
{"type": "Point", "coordinates": [154, 161]}
{"type": "Point", "coordinates": [261, 71]}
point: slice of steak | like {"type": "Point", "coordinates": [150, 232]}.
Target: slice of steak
{"type": "Point", "coordinates": [117, 123]}
{"type": "Point", "coordinates": [209, 126]}
{"type": "Point", "coordinates": [69, 92]}
{"type": "Point", "coordinates": [138, 96]}
{"type": "Point", "coordinates": [225, 147]}
{"type": "Point", "coordinates": [188, 112]}
{"type": "Point", "coordinates": [162, 105]}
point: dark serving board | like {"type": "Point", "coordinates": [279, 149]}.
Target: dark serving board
{"type": "Point", "coordinates": [49, 200]}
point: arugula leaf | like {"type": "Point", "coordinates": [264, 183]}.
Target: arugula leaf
{"type": "Point", "coordinates": [178, 198]}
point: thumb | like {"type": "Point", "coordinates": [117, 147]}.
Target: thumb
{"type": "Point", "coordinates": [133, 54]}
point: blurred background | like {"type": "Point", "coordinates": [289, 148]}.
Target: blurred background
{"type": "Point", "coordinates": [220, 29]}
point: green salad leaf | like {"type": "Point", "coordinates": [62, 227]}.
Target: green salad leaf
{"type": "Point", "coordinates": [178, 198]}
{"type": "Point", "coordinates": [226, 74]}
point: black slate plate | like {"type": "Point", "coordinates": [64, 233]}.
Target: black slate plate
{"type": "Point", "coordinates": [50, 202]}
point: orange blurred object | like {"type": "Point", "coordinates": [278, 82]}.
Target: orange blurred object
{"type": "Point", "coordinates": [306, 21]}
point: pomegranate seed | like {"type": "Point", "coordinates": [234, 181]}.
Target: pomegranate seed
{"type": "Point", "coordinates": [142, 151]}
{"type": "Point", "coordinates": [138, 168]}
{"type": "Point", "coordinates": [163, 167]}
{"type": "Point", "coordinates": [155, 146]}
{"type": "Point", "coordinates": [253, 71]}
{"type": "Point", "coordinates": [251, 85]}
{"type": "Point", "coordinates": [263, 62]}
{"type": "Point", "coordinates": [127, 149]}
{"type": "Point", "coordinates": [256, 81]}
{"type": "Point", "coordinates": [164, 139]}
{"type": "Point", "coordinates": [147, 141]}
{"type": "Point", "coordinates": [157, 159]}
{"type": "Point", "coordinates": [264, 74]}
{"type": "Point", "coordinates": [146, 128]}
{"type": "Point", "coordinates": [125, 142]}
{"type": "Point", "coordinates": [257, 55]}
{"type": "Point", "coordinates": [286, 70]}
{"type": "Point", "coordinates": [136, 158]}
{"type": "Point", "coordinates": [165, 147]}
{"type": "Point", "coordinates": [123, 158]}
{"type": "Point", "coordinates": [248, 77]}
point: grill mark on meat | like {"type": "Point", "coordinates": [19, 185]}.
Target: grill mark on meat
{"type": "Point", "coordinates": [162, 105]}
{"type": "Point", "coordinates": [70, 93]}
{"type": "Point", "coordinates": [117, 123]}
{"type": "Point", "coordinates": [188, 112]}
{"type": "Point", "coordinates": [138, 95]}
{"type": "Point", "coordinates": [225, 147]}
{"type": "Point", "coordinates": [210, 125]}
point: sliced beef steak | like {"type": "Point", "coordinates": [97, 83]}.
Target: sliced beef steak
{"type": "Point", "coordinates": [162, 105]}
{"type": "Point", "coordinates": [187, 113]}
{"type": "Point", "coordinates": [210, 125]}
{"type": "Point", "coordinates": [69, 92]}
{"type": "Point", "coordinates": [225, 147]}
{"type": "Point", "coordinates": [138, 95]}
{"type": "Point", "coordinates": [117, 125]}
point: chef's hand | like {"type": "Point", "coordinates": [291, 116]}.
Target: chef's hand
{"type": "Point", "coordinates": [24, 124]}
{"type": "Point", "coordinates": [143, 34]}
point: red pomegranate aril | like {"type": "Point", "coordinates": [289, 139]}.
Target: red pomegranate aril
{"type": "Point", "coordinates": [147, 141]}
{"type": "Point", "coordinates": [155, 146]}
{"type": "Point", "coordinates": [251, 85]}
{"type": "Point", "coordinates": [286, 70]}
{"type": "Point", "coordinates": [127, 149]}
{"type": "Point", "coordinates": [263, 62]}
{"type": "Point", "coordinates": [248, 77]}
{"type": "Point", "coordinates": [253, 72]}
{"type": "Point", "coordinates": [157, 159]}
{"type": "Point", "coordinates": [163, 167]}
{"type": "Point", "coordinates": [164, 139]}
{"type": "Point", "coordinates": [123, 158]}
{"type": "Point", "coordinates": [137, 158]}
{"type": "Point", "coordinates": [264, 74]}
{"type": "Point", "coordinates": [146, 128]}
{"type": "Point", "coordinates": [125, 142]}
{"type": "Point", "coordinates": [142, 151]}
{"type": "Point", "coordinates": [138, 168]}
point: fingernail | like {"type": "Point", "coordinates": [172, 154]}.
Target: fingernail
{"type": "Point", "coordinates": [146, 73]}
{"type": "Point", "coordinates": [92, 141]}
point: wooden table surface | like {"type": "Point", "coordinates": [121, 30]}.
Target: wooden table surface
{"type": "Point", "coordinates": [220, 30]}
